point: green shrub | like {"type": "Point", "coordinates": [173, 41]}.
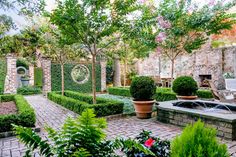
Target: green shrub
{"type": "Point", "coordinates": [69, 83]}
{"type": "Point", "coordinates": [198, 141]}
{"type": "Point", "coordinates": [25, 116]}
{"type": "Point", "coordinates": [22, 62]}
{"type": "Point", "coordinates": [185, 86]}
{"type": "Point", "coordinates": [206, 94]}
{"type": "Point", "coordinates": [165, 96]}
{"type": "Point", "coordinates": [3, 75]}
{"type": "Point", "coordinates": [142, 88]}
{"type": "Point", "coordinates": [28, 90]}
{"type": "Point", "coordinates": [38, 77]}
{"type": "Point", "coordinates": [78, 102]}
{"type": "Point", "coordinates": [119, 91]}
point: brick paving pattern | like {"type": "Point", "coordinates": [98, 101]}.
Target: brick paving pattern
{"type": "Point", "coordinates": [48, 113]}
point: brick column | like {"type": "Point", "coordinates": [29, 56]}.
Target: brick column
{"type": "Point", "coordinates": [46, 66]}
{"type": "Point", "coordinates": [103, 64]}
{"type": "Point", "coordinates": [31, 75]}
{"type": "Point", "coordinates": [11, 77]}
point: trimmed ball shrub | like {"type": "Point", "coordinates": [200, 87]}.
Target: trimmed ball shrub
{"type": "Point", "coordinates": [198, 141]}
{"type": "Point", "coordinates": [142, 88]}
{"type": "Point", "coordinates": [185, 86]}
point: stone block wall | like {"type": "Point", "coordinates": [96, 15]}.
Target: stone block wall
{"type": "Point", "coordinates": [214, 62]}
{"type": "Point", "coordinates": [225, 129]}
{"type": "Point", "coordinates": [11, 77]}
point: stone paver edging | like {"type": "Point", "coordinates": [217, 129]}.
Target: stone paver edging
{"type": "Point", "coordinates": [51, 114]}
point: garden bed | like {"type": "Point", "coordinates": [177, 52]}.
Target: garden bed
{"type": "Point", "coordinates": [22, 114]}
{"type": "Point", "coordinates": [78, 102]}
{"type": "Point", "coordinates": [8, 108]}
{"type": "Point", "coordinates": [162, 94]}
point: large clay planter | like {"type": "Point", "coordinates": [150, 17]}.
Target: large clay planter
{"type": "Point", "coordinates": [143, 109]}
{"type": "Point", "coordinates": [193, 97]}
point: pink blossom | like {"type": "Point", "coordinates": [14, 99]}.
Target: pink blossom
{"type": "Point", "coordinates": [149, 143]}
{"type": "Point", "coordinates": [211, 3]}
{"type": "Point", "coordinates": [163, 23]}
{"type": "Point", "coordinates": [161, 37]}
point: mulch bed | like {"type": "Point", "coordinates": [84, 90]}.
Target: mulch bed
{"type": "Point", "coordinates": [8, 108]}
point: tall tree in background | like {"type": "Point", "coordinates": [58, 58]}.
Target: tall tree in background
{"type": "Point", "coordinates": [87, 22]}
{"type": "Point", "coordinates": [175, 27]}
{"type": "Point", "coordinates": [56, 47]}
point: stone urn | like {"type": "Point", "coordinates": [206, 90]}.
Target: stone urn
{"type": "Point", "coordinates": [25, 81]}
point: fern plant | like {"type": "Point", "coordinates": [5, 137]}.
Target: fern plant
{"type": "Point", "coordinates": [81, 137]}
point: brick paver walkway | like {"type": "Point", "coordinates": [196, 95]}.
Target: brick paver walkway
{"type": "Point", "coordinates": [48, 113]}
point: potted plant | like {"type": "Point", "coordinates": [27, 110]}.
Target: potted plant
{"type": "Point", "coordinates": [230, 81]}
{"type": "Point", "coordinates": [142, 90]}
{"type": "Point", "coordinates": [185, 87]}
{"type": "Point", "coordinates": [25, 80]}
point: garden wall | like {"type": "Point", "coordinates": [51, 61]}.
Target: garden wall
{"type": "Point", "coordinates": [205, 62]}
{"type": "Point", "coordinates": [70, 84]}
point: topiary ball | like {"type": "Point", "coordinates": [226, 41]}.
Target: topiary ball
{"type": "Point", "coordinates": [185, 86]}
{"type": "Point", "coordinates": [142, 88]}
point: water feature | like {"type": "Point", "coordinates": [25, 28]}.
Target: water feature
{"type": "Point", "coordinates": [222, 116]}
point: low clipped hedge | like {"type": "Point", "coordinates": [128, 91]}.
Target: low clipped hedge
{"type": "Point", "coordinates": [162, 94]}
{"type": "Point", "coordinates": [29, 90]}
{"type": "Point", "coordinates": [24, 117]}
{"type": "Point", "coordinates": [78, 102]}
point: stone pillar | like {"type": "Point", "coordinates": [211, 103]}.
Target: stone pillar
{"type": "Point", "coordinates": [10, 86]}
{"type": "Point", "coordinates": [117, 74]}
{"type": "Point", "coordinates": [103, 64]}
{"type": "Point", "coordinates": [46, 66]}
{"type": "Point", "coordinates": [31, 75]}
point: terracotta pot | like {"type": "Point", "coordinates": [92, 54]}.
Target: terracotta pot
{"type": "Point", "coordinates": [192, 97]}
{"type": "Point", "coordinates": [143, 109]}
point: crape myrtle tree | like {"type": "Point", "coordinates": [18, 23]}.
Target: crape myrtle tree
{"type": "Point", "coordinates": [87, 22]}
{"type": "Point", "coordinates": [174, 27]}
{"type": "Point", "coordinates": [56, 47]}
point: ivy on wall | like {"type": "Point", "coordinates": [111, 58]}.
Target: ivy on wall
{"type": "Point", "coordinates": [69, 83]}
{"type": "Point", "coordinates": [3, 71]}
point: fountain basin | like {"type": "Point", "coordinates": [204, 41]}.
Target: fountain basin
{"type": "Point", "coordinates": [221, 116]}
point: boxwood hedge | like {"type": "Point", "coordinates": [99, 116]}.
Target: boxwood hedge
{"type": "Point", "coordinates": [162, 94]}
{"type": "Point", "coordinates": [78, 102]}
{"type": "Point", "coordinates": [24, 117]}
{"type": "Point", "coordinates": [28, 90]}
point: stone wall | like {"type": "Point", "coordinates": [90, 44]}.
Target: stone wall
{"type": "Point", "coordinates": [214, 62]}
{"type": "Point", "coordinates": [103, 64]}
{"type": "Point", "coordinates": [11, 77]}
{"type": "Point", "coordinates": [225, 129]}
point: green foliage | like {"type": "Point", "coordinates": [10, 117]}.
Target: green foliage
{"type": "Point", "coordinates": [162, 94]}
{"type": "Point", "coordinates": [142, 88]}
{"type": "Point", "coordinates": [78, 102]}
{"type": "Point", "coordinates": [81, 137]}
{"type": "Point", "coordinates": [25, 116]}
{"type": "Point", "coordinates": [185, 86]}
{"type": "Point", "coordinates": [29, 90]}
{"type": "Point", "coordinates": [38, 77]}
{"type": "Point", "coordinates": [109, 74]}
{"type": "Point", "coordinates": [3, 70]}
{"type": "Point", "coordinates": [69, 83]}
{"type": "Point", "coordinates": [22, 62]}
{"type": "Point", "coordinates": [119, 91]}
{"type": "Point", "coordinates": [198, 140]}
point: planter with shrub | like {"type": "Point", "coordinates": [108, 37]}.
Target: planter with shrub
{"type": "Point", "coordinates": [185, 87]}
{"type": "Point", "coordinates": [25, 80]}
{"type": "Point", "coordinates": [142, 90]}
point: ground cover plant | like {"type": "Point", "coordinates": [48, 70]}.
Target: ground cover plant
{"type": "Point", "coordinates": [81, 137]}
{"type": "Point", "coordinates": [78, 102]}
{"type": "Point", "coordinates": [25, 115]}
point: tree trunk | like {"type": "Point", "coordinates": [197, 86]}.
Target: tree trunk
{"type": "Point", "coordinates": [62, 80]}
{"type": "Point", "coordinates": [94, 78]}
{"type": "Point", "coordinates": [172, 70]}
{"type": "Point", "coordinates": [125, 71]}
{"type": "Point", "coordinates": [117, 80]}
